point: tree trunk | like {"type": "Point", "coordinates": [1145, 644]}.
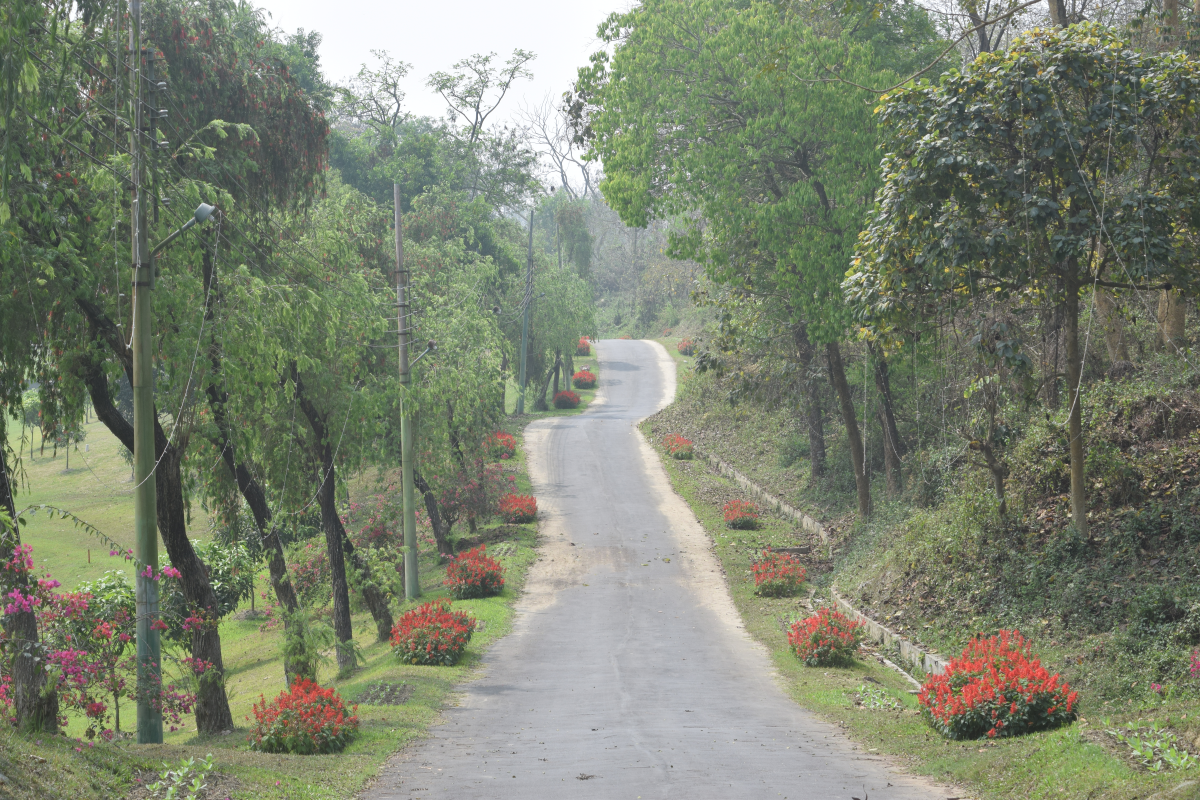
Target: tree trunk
{"type": "Point", "coordinates": [557, 367]}
{"type": "Point", "coordinates": [997, 468]}
{"type": "Point", "coordinates": [1171, 318]}
{"type": "Point", "coordinates": [1075, 416]}
{"type": "Point", "coordinates": [373, 596]}
{"type": "Point", "coordinates": [1114, 326]}
{"type": "Point", "coordinates": [812, 402]}
{"type": "Point", "coordinates": [441, 531]}
{"type": "Point", "coordinates": [1058, 13]}
{"type": "Point", "coordinates": [35, 705]}
{"type": "Point", "coordinates": [893, 448]}
{"type": "Point", "coordinates": [837, 376]}
{"type": "Point", "coordinates": [212, 705]}
{"type": "Point", "coordinates": [541, 404]}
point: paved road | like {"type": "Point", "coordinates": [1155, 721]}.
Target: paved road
{"type": "Point", "coordinates": [628, 674]}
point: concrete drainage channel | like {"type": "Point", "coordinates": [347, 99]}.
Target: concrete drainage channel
{"type": "Point", "coordinates": [914, 658]}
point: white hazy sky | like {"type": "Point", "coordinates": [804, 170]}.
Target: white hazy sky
{"type": "Point", "coordinates": [433, 35]}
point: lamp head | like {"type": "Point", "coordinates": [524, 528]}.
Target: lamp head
{"type": "Point", "coordinates": [203, 212]}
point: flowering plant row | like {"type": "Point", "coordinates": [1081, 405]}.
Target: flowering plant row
{"type": "Point", "coordinates": [777, 574]}
{"type": "Point", "coordinates": [305, 719]}
{"type": "Point", "coordinates": [518, 507]}
{"type": "Point", "coordinates": [501, 445]}
{"type": "Point", "coordinates": [474, 574]}
{"type": "Point", "coordinates": [686, 347]}
{"type": "Point", "coordinates": [584, 379]}
{"type": "Point", "coordinates": [996, 688]}
{"type": "Point", "coordinates": [741, 515]}
{"type": "Point", "coordinates": [678, 446]}
{"type": "Point", "coordinates": [584, 348]}
{"type": "Point", "coordinates": [566, 399]}
{"type": "Point", "coordinates": [827, 638]}
{"type": "Point", "coordinates": [432, 634]}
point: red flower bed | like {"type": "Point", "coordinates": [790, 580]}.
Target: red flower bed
{"type": "Point", "coordinates": [518, 508]}
{"type": "Point", "coordinates": [686, 347]}
{"type": "Point", "coordinates": [432, 634]}
{"type": "Point", "coordinates": [826, 638]}
{"type": "Point", "coordinates": [996, 688]}
{"type": "Point", "coordinates": [566, 399]}
{"type": "Point", "coordinates": [584, 379]}
{"type": "Point", "coordinates": [501, 445]}
{"type": "Point", "coordinates": [473, 574]}
{"type": "Point", "coordinates": [305, 719]}
{"type": "Point", "coordinates": [678, 446]}
{"type": "Point", "coordinates": [777, 575]}
{"type": "Point", "coordinates": [584, 348]}
{"type": "Point", "coordinates": [741, 515]}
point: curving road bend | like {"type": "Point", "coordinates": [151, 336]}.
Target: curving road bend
{"type": "Point", "coordinates": [628, 674]}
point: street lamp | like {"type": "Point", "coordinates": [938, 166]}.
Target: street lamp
{"type": "Point", "coordinates": [145, 505]}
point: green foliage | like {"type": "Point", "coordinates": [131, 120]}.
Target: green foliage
{"type": "Point", "coordinates": [184, 782]}
{"type": "Point", "coordinates": [1153, 746]}
{"type": "Point", "coordinates": [231, 574]}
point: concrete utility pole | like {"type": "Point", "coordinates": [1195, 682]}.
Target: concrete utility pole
{"type": "Point", "coordinates": [411, 587]}
{"type": "Point", "coordinates": [525, 321]}
{"type": "Point", "coordinates": [145, 510]}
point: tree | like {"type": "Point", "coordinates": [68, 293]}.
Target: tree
{"type": "Point", "coordinates": [1066, 163]}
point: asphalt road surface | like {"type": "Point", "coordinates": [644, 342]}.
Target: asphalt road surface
{"type": "Point", "coordinates": [628, 674]}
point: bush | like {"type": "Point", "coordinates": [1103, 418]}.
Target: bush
{"type": "Point", "coordinates": [741, 515]}
{"type": "Point", "coordinates": [777, 575]}
{"type": "Point", "coordinates": [501, 445]}
{"type": "Point", "coordinates": [686, 347]}
{"type": "Point", "coordinates": [584, 348]}
{"type": "Point", "coordinates": [305, 719]}
{"type": "Point", "coordinates": [995, 688]}
{"type": "Point", "coordinates": [310, 573]}
{"type": "Point", "coordinates": [584, 379]}
{"type": "Point", "coordinates": [473, 574]}
{"type": "Point", "coordinates": [432, 634]}
{"type": "Point", "coordinates": [566, 399]}
{"type": "Point", "coordinates": [827, 638]}
{"type": "Point", "coordinates": [518, 507]}
{"type": "Point", "coordinates": [678, 447]}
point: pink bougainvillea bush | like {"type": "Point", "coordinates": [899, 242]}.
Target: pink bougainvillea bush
{"type": "Point", "coordinates": [474, 574]}
{"type": "Point", "coordinates": [566, 399]}
{"type": "Point", "coordinates": [741, 515]}
{"type": "Point", "coordinates": [518, 508]}
{"type": "Point", "coordinates": [827, 638]}
{"type": "Point", "coordinates": [432, 634]}
{"type": "Point", "coordinates": [584, 348]}
{"type": "Point", "coordinates": [996, 688]}
{"type": "Point", "coordinates": [584, 379]}
{"type": "Point", "coordinates": [777, 574]}
{"type": "Point", "coordinates": [305, 719]}
{"type": "Point", "coordinates": [678, 447]}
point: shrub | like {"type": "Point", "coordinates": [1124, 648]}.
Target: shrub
{"type": "Point", "coordinates": [432, 634]}
{"type": "Point", "coordinates": [566, 399]}
{"type": "Point", "coordinates": [310, 572]}
{"type": "Point", "coordinates": [741, 515]}
{"type": "Point", "coordinates": [518, 507]}
{"type": "Point", "coordinates": [584, 379]}
{"type": "Point", "coordinates": [678, 447]}
{"type": "Point", "coordinates": [995, 688]}
{"type": "Point", "coordinates": [473, 574]}
{"type": "Point", "coordinates": [305, 719]}
{"type": "Point", "coordinates": [584, 348]}
{"type": "Point", "coordinates": [777, 575]}
{"type": "Point", "coordinates": [686, 347]}
{"type": "Point", "coordinates": [827, 638]}
{"type": "Point", "coordinates": [501, 445]}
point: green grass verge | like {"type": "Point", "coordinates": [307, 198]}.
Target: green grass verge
{"type": "Point", "coordinates": [1077, 761]}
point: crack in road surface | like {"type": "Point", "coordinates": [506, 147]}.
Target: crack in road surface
{"type": "Point", "coordinates": [628, 672]}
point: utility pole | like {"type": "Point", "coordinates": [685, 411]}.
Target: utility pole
{"type": "Point", "coordinates": [525, 321]}
{"type": "Point", "coordinates": [411, 587]}
{"type": "Point", "coordinates": [145, 510]}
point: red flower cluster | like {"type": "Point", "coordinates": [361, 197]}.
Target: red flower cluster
{"type": "Point", "coordinates": [678, 446]}
{"type": "Point", "coordinates": [566, 399]}
{"type": "Point", "coordinates": [741, 515]}
{"type": "Point", "coordinates": [305, 719]}
{"type": "Point", "coordinates": [996, 688]}
{"type": "Point", "coordinates": [432, 634]}
{"type": "Point", "coordinates": [686, 347]}
{"type": "Point", "coordinates": [584, 348]}
{"type": "Point", "coordinates": [518, 507]}
{"type": "Point", "coordinates": [501, 445]}
{"type": "Point", "coordinates": [584, 379]}
{"type": "Point", "coordinates": [826, 638]}
{"type": "Point", "coordinates": [777, 575]}
{"type": "Point", "coordinates": [473, 574]}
